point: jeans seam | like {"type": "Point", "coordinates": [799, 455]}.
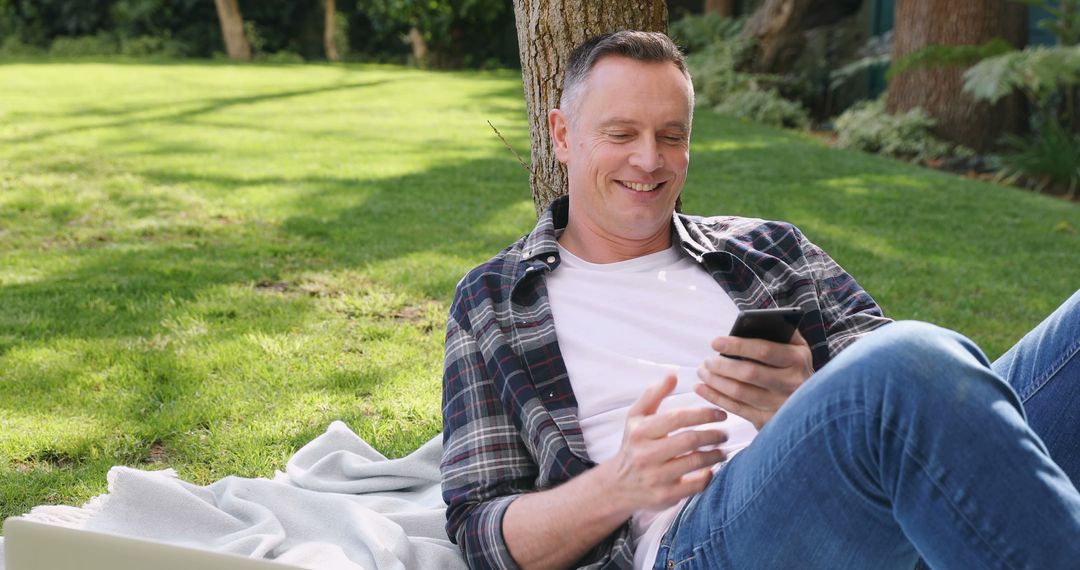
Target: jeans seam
{"type": "Point", "coordinates": [948, 499]}
{"type": "Point", "coordinates": [1056, 367]}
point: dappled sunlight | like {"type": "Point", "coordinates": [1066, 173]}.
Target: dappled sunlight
{"type": "Point", "coordinates": [698, 145]}
{"type": "Point", "coordinates": [64, 428]}
{"type": "Point", "coordinates": [818, 229]}
{"type": "Point", "coordinates": [218, 260]}
{"type": "Point", "coordinates": [862, 185]}
{"type": "Point", "coordinates": [18, 275]}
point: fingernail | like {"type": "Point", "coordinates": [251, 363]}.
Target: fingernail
{"type": "Point", "coordinates": [721, 415]}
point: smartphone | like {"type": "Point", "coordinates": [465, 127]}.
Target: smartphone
{"type": "Point", "coordinates": [776, 325]}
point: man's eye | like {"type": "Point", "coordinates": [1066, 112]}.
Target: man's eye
{"type": "Point", "coordinates": [674, 139]}
{"type": "Point", "coordinates": [619, 136]}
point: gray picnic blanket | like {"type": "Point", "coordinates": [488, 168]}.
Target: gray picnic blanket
{"type": "Point", "coordinates": [339, 505]}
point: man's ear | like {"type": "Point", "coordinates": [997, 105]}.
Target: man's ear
{"type": "Point", "coordinates": [558, 126]}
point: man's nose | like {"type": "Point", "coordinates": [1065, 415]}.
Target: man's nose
{"type": "Point", "coordinates": [646, 155]}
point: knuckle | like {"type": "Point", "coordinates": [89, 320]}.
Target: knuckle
{"type": "Point", "coordinates": [684, 416]}
{"type": "Point", "coordinates": [704, 438]}
{"type": "Point", "coordinates": [704, 460]}
{"type": "Point", "coordinates": [736, 390]}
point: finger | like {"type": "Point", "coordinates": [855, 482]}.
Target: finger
{"type": "Point", "coordinates": [660, 425]}
{"type": "Point", "coordinates": [746, 392]}
{"type": "Point", "coordinates": [739, 408]}
{"type": "Point", "coordinates": [690, 441]}
{"type": "Point", "coordinates": [658, 451]}
{"type": "Point", "coordinates": [691, 462]}
{"type": "Point", "coordinates": [649, 401]}
{"type": "Point", "coordinates": [682, 487]}
{"type": "Point", "coordinates": [694, 483]}
{"type": "Point", "coordinates": [780, 380]}
{"type": "Point", "coordinates": [797, 339]}
{"type": "Point", "coordinates": [763, 351]}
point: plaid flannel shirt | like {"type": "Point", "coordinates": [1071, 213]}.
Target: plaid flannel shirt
{"type": "Point", "coordinates": [509, 415]}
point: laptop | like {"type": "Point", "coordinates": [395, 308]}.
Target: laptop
{"type": "Point", "coordinates": [32, 545]}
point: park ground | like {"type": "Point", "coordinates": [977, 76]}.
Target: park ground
{"type": "Point", "coordinates": [202, 264]}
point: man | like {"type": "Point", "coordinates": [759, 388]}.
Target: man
{"type": "Point", "coordinates": [873, 443]}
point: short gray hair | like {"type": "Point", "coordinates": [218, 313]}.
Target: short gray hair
{"type": "Point", "coordinates": [641, 46]}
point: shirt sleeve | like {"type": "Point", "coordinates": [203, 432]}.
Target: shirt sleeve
{"type": "Point", "coordinates": [848, 311]}
{"type": "Point", "coordinates": [485, 465]}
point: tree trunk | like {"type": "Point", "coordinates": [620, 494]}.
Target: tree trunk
{"type": "Point", "coordinates": [329, 27]}
{"type": "Point", "coordinates": [920, 23]}
{"type": "Point", "coordinates": [232, 29]}
{"type": "Point", "coordinates": [419, 46]}
{"type": "Point", "coordinates": [779, 28]}
{"type": "Point", "coordinates": [547, 32]}
{"type": "Point", "coordinates": [725, 8]}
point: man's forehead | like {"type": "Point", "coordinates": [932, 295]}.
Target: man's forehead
{"type": "Point", "coordinates": [628, 67]}
{"type": "Point", "coordinates": [620, 76]}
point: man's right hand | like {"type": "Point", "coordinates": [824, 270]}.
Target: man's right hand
{"type": "Point", "coordinates": [655, 468]}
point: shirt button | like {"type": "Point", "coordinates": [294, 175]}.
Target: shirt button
{"type": "Point", "coordinates": [551, 259]}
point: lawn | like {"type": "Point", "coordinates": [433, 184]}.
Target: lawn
{"type": "Point", "coordinates": [203, 265]}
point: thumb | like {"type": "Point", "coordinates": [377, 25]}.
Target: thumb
{"type": "Point", "coordinates": [649, 401]}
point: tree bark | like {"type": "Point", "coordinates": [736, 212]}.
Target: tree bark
{"type": "Point", "coordinates": [232, 29]}
{"type": "Point", "coordinates": [725, 8]}
{"type": "Point", "coordinates": [419, 46]}
{"type": "Point", "coordinates": [548, 30]}
{"type": "Point", "coordinates": [329, 29]}
{"type": "Point", "coordinates": [779, 29]}
{"type": "Point", "coordinates": [921, 23]}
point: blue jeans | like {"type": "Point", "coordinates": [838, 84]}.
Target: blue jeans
{"type": "Point", "coordinates": [908, 444]}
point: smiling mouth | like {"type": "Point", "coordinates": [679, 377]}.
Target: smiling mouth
{"type": "Point", "coordinates": [640, 187]}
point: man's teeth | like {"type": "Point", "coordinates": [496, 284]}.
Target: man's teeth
{"type": "Point", "coordinates": [640, 187]}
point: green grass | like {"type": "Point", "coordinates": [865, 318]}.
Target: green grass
{"type": "Point", "coordinates": [202, 265]}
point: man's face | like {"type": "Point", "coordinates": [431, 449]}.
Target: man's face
{"type": "Point", "coordinates": [626, 148]}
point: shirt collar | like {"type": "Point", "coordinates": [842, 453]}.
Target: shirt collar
{"type": "Point", "coordinates": [543, 239]}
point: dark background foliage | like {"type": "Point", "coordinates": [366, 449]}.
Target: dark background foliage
{"type": "Point", "coordinates": [470, 33]}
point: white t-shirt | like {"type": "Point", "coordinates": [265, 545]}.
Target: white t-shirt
{"type": "Point", "coordinates": [623, 326]}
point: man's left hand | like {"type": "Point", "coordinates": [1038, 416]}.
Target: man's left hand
{"type": "Point", "coordinates": [756, 386]}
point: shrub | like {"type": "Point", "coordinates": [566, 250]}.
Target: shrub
{"type": "Point", "coordinates": [715, 53]}
{"type": "Point", "coordinates": [715, 74]}
{"type": "Point", "coordinates": [254, 37]}
{"type": "Point", "coordinates": [12, 46]}
{"type": "Point", "coordinates": [144, 46]}
{"type": "Point", "coordinates": [1051, 157]}
{"type": "Point", "coordinates": [867, 127]}
{"type": "Point", "coordinates": [283, 56]}
{"type": "Point", "coordinates": [1037, 72]}
{"type": "Point", "coordinates": [79, 46]}
{"type": "Point", "coordinates": [764, 106]}
{"type": "Point", "coordinates": [695, 33]}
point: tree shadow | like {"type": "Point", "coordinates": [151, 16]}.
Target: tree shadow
{"type": "Point", "coordinates": [202, 107]}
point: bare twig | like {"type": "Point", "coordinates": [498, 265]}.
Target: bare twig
{"type": "Point", "coordinates": [532, 175]}
{"type": "Point", "coordinates": [520, 160]}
